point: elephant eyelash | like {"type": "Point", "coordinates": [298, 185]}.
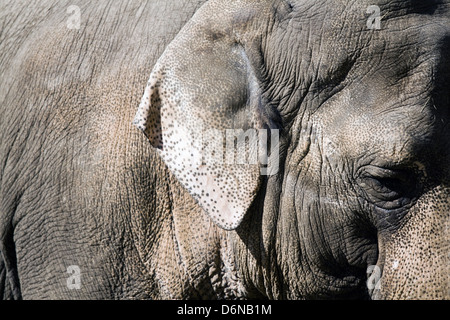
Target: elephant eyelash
{"type": "Point", "coordinates": [393, 187]}
{"type": "Point", "coordinates": [386, 187]}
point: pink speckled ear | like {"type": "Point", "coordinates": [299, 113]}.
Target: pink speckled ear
{"type": "Point", "coordinates": [201, 95]}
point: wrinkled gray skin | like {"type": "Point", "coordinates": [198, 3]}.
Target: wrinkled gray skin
{"type": "Point", "coordinates": [364, 173]}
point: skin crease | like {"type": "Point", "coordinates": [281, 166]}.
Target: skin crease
{"type": "Point", "coordinates": [364, 151]}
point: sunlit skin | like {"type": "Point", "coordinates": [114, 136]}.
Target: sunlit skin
{"type": "Point", "coordinates": [112, 184]}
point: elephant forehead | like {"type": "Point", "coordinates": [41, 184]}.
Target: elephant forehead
{"type": "Point", "coordinates": [355, 126]}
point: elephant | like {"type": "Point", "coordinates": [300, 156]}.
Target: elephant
{"type": "Point", "coordinates": [239, 149]}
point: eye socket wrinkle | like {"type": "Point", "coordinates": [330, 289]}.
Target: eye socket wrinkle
{"type": "Point", "coordinates": [388, 184]}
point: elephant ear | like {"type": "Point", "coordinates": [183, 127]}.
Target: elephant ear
{"type": "Point", "coordinates": [202, 109]}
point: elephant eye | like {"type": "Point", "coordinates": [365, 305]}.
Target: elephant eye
{"type": "Point", "coordinates": [388, 187]}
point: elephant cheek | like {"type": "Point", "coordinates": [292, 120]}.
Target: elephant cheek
{"type": "Point", "coordinates": [416, 264]}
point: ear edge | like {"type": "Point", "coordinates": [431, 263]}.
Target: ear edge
{"type": "Point", "coordinates": [148, 116]}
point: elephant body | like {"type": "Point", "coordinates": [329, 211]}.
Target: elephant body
{"type": "Point", "coordinates": [67, 185]}
{"type": "Point", "coordinates": [91, 207]}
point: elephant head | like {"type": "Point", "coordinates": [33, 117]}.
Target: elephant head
{"type": "Point", "coordinates": [342, 133]}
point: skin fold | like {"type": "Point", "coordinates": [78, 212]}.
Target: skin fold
{"type": "Point", "coordinates": [99, 121]}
